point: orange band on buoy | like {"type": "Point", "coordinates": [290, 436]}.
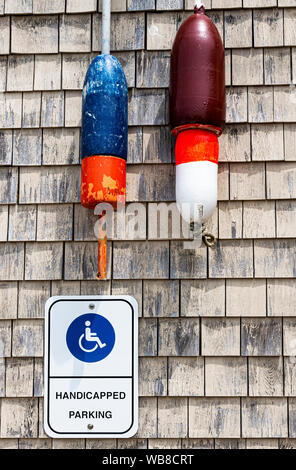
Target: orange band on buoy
{"type": "Point", "coordinates": [103, 179]}
{"type": "Point", "coordinates": [196, 145]}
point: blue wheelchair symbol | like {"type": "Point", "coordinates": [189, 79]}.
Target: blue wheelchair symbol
{"type": "Point", "coordinates": [90, 337]}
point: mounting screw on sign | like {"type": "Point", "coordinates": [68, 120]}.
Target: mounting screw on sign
{"type": "Point", "coordinates": [90, 337]}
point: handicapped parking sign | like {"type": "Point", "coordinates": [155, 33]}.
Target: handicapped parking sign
{"type": "Point", "coordinates": [90, 337]}
{"type": "Point", "coordinates": [91, 366]}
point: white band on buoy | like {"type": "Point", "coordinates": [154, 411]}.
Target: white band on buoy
{"type": "Point", "coordinates": [196, 183]}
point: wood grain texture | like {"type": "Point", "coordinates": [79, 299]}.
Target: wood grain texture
{"type": "Point", "coordinates": [44, 39]}
{"type": "Point", "coordinates": [31, 110]}
{"type": "Point", "coordinates": [43, 261]}
{"type": "Point", "coordinates": [19, 418]}
{"type": "Point", "coordinates": [178, 337]}
{"type": "Point", "coordinates": [148, 337]}
{"type": "Point", "coordinates": [150, 183]}
{"type": "Point", "coordinates": [172, 417]}
{"type": "Point", "coordinates": [289, 337]}
{"type": "Point", "coordinates": [289, 138]}
{"type": "Point", "coordinates": [262, 444]}
{"type": "Point", "coordinates": [230, 444]}
{"type": "Point", "coordinates": [203, 298]}
{"type": "Point", "coordinates": [3, 223]}
{"type": "Point", "coordinates": [214, 417]}
{"type": "Point", "coordinates": [236, 105]}
{"type": "Point", "coordinates": [5, 147]}
{"type": "Point", "coordinates": [247, 181]}
{"type": "Point", "coordinates": [75, 33]}
{"type": "Point", "coordinates": [2, 377]}
{"type": "Point", "coordinates": [230, 219]}
{"type": "Point", "coordinates": [161, 298]}
{"type": "Point", "coordinates": [231, 259]}
{"type": "Point", "coordinates": [9, 182]}
{"type": "Point", "coordinates": [185, 376]}
{"type": "Point", "coordinates": [128, 32]}
{"type": "Point", "coordinates": [146, 260]}
{"type": "Point", "coordinates": [267, 142]}
{"type": "Point", "coordinates": [280, 297]}
{"type": "Point", "coordinates": [280, 180]}
{"type": "Point", "coordinates": [259, 219]}
{"type": "Point", "coordinates": [277, 66]}
{"type": "Point", "coordinates": [8, 300]}
{"type": "Point", "coordinates": [187, 263]}
{"type": "Point", "coordinates": [286, 219]}
{"type": "Point", "coordinates": [264, 418]}
{"type": "Point", "coordinates": [197, 443]}
{"type": "Point", "coordinates": [20, 73]}
{"type": "Point", "coordinates": [238, 27]}
{"type": "Point", "coordinates": [49, 185]}
{"type": "Point", "coordinates": [220, 337]}
{"type": "Point", "coordinates": [147, 417]}
{"type": "Point", "coordinates": [12, 265]}
{"type": "Point", "coordinates": [153, 376]}
{"type": "Point", "coordinates": [245, 298]}
{"type": "Point", "coordinates": [265, 376]}
{"type": "Point", "coordinates": [157, 145]}
{"type": "Point", "coordinates": [268, 28]}
{"type": "Point", "coordinates": [260, 104]}
{"type": "Point", "coordinates": [19, 377]}
{"type": "Point", "coordinates": [153, 69]}
{"type": "Point", "coordinates": [161, 29]}
{"type": "Point", "coordinates": [81, 261]}
{"type": "Point", "coordinates": [22, 223]}
{"type": "Point", "coordinates": [274, 258]}
{"type": "Point", "coordinates": [48, 246]}
{"type": "Point", "coordinates": [129, 287]}
{"type": "Point", "coordinates": [247, 67]}
{"type": "Point", "coordinates": [225, 377]}
{"type": "Point", "coordinates": [27, 338]}
{"type": "Point", "coordinates": [165, 443]}
{"type": "Point", "coordinates": [52, 79]}
{"type": "Point", "coordinates": [261, 337]}
{"type": "Point", "coordinates": [54, 223]}
{"type": "Point", "coordinates": [31, 299]}
{"type": "Point", "coordinates": [5, 338]}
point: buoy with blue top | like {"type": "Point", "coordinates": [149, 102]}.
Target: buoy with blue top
{"type": "Point", "coordinates": [104, 135]}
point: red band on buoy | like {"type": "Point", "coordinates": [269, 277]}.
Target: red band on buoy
{"type": "Point", "coordinates": [103, 179]}
{"type": "Point", "coordinates": [196, 145]}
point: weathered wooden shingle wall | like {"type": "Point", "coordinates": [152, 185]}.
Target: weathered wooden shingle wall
{"type": "Point", "coordinates": [217, 328]}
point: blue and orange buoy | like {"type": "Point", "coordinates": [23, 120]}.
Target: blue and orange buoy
{"type": "Point", "coordinates": [104, 141]}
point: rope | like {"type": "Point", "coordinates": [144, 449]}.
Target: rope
{"type": "Point", "coordinates": [199, 6]}
{"type": "Point", "coordinates": [208, 238]}
{"type": "Point", "coordinates": [102, 248]}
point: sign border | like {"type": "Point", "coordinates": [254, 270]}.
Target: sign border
{"type": "Point", "coordinates": [131, 431]}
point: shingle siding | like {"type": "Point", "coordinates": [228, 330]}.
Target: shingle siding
{"type": "Point", "coordinates": [217, 326]}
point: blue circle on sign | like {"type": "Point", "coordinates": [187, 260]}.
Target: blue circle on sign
{"type": "Point", "coordinates": [90, 337]}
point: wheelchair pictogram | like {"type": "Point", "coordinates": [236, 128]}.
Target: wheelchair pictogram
{"type": "Point", "coordinates": [90, 337]}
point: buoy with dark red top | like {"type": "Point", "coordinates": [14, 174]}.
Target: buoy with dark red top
{"type": "Point", "coordinates": [197, 111]}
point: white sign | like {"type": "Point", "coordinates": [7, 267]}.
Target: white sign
{"type": "Point", "coordinates": [91, 366]}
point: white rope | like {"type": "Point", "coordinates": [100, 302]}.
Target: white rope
{"type": "Point", "coordinates": [199, 4]}
{"type": "Point", "coordinates": [106, 20]}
